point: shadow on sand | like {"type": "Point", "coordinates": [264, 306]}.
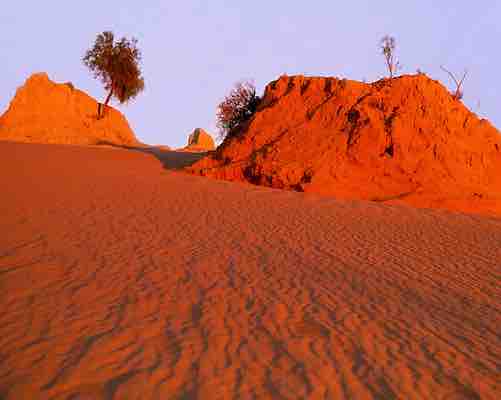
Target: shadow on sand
{"type": "Point", "coordinates": [170, 159]}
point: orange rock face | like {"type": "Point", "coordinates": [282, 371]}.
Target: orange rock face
{"type": "Point", "coordinates": [404, 139]}
{"type": "Point", "coordinates": [200, 140]}
{"type": "Point", "coordinates": [46, 112]}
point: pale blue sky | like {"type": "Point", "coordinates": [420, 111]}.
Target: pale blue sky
{"type": "Point", "coordinates": [194, 51]}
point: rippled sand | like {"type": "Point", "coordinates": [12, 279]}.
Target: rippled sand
{"type": "Point", "coordinates": [120, 279]}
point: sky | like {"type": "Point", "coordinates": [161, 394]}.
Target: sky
{"type": "Point", "coordinates": [195, 51]}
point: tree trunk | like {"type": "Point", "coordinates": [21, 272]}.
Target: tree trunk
{"type": "Point", "coordinates": [102, 107]}
{"type": "Point", "coordinates": [389, 64]}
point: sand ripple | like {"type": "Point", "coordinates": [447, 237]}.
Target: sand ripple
{"type": "Point", "coordinates": [120, 280]}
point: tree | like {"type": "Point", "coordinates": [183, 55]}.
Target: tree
{"type": "Point", "coordinates": [458, 94]}
{"type": "Point", "coordinates": [116, 64]}
{"type": "Point", "coordinates": [236, 108]}
{"type": "Point", "coordinates": [388, 48]}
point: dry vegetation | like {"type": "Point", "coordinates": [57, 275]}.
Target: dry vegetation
{"type": "Point", "coordinates": [236, 108]}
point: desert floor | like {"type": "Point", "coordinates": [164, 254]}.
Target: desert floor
{"type": "Point", "coordinates": [123, 279]}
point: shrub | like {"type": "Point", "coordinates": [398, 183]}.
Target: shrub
{"type": "Point", "coordinates": [388, 48]}
{"type": "Point", "coordinates": [236, 108]}
{"type": "Point", "coordinates": [116, 64]}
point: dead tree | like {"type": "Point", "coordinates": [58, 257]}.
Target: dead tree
{"type": "Point", "coordinates": [458, 94]}
{"type": "Point", "coordinates": [388, 48]}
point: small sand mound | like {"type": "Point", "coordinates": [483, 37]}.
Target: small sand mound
{"type": "Point", "coordinates": [404, 139]}
{"type": "Point", "coordinates": [46, 112]}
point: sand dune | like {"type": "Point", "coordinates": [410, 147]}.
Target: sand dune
{"type": "Point", "coordinates": [120, 279]}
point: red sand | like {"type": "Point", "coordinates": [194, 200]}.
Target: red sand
{"type": "Point", "coordinates": [120, 279]}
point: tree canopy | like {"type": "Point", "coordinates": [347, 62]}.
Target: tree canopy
{"type": "Point", "coordinates": [116, 64]}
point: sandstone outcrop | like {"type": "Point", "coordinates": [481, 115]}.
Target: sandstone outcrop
{"type": "Point", "coordinates": [46, 112]}
{"type": "Point", "coordinates": [200, 140]}
{"type": "Point", "coordinates": [402, 139]}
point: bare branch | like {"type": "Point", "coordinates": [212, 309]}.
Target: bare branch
{"type": "Point", "coordinates": [450, 74]}
{"type": "Point", "coordinates": [458, 94]}
{"type": "Point", "coordinates": [463, 78]}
